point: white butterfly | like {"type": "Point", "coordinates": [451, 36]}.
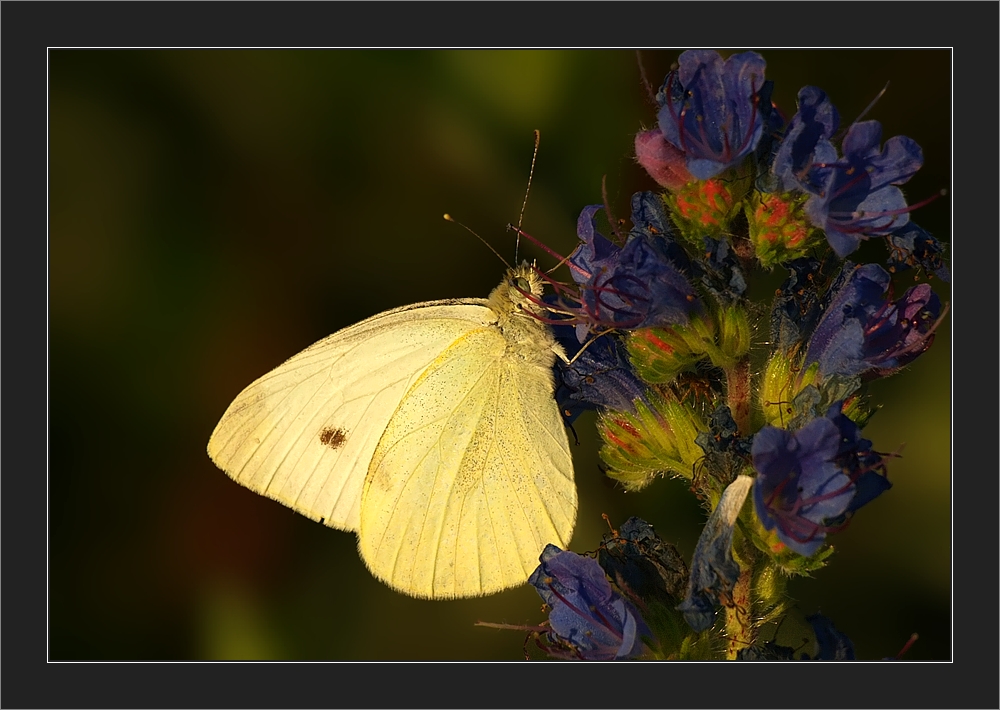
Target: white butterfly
{"type": "Point", "coordinates": [430, 430]}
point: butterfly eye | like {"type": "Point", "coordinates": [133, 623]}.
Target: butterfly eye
{"type": "Point", "coordinates": [522, 284]}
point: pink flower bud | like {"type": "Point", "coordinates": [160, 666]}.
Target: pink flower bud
{"type": "Point", "coordinates": [663, 162]}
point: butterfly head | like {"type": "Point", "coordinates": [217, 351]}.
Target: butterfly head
{"type": "Point", "coordinates": [520, 292]}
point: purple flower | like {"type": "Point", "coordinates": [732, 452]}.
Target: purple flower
{"type": "Point", "coordinates": [806, 143]}
{"type": "Point", "coordinates": [711, 109]}
{"type": "Point", "coordinates": [861, 331]}
{"type": "Point", "coordinates": [588, 620]}
{"type": "Point", "coordinates": [859, 197]}
{"type": "Point", "coordinates": [810, 481]}
{"type": "Point", "coordinates": [854, 196]}
{"type": "Point", "coordinates": [633, 286]}
{"type": "Point", "coordinates": [601, 376]}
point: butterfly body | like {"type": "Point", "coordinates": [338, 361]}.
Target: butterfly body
{"type": "Point", "coordinates": [430, 430]}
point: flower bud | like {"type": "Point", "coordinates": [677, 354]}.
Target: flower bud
{"type": "Point", "coordinates": [702, 209]}
{"type": "Point", "coordinates": [785, 561]}
{"type": "Point", "coordinates": [664, 163]}
{"type": "Point", "coordinates": [658, 439]}
{"type": "Point", "coordinates": [734, 334]}
{"type": "Point", "coordinates": [658, 355]}
{"type": "Point", "coordinates": [770, 588]}
{"type": "Point", "coordinates": [779, 228]}
{"type": "Point", "coordinates": [783, 381]}
{"type": "Point", "coordinates": [858, 409]}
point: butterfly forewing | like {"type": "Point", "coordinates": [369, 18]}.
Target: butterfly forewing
{"type": "Point", "coordinates": [304, 433]}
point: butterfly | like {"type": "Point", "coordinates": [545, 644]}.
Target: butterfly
{"type": "Point", "coordinates": [431, 430]}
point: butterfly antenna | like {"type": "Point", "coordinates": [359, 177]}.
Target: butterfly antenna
{"type": "Point", "coordinates": [520, 220]}
{"type": "Point", "coordinates": [449, 218]}
{"type": "Point", "coordinates": [563, 260]}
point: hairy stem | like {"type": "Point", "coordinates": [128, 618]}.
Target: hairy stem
{"type": "Point", "coordinates": [739, 616]}
{"type": "Point", "coordinates": [738, 394]}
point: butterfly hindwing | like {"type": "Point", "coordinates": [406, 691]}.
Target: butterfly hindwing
{"type": "Point", "coordinates": [472, 477]}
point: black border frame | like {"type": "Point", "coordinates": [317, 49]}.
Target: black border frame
{"type": "Point", "coordinates": [969, 27]}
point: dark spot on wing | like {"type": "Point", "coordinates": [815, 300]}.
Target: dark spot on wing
{"type": "Point", "coordinates": [334, 438]}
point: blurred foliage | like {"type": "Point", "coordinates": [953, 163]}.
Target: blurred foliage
{"type": "Point", "coordinates": [214, 212]}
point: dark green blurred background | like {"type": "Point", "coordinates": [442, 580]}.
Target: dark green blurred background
{"type": "Point", "coordinates": [214, 212]}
